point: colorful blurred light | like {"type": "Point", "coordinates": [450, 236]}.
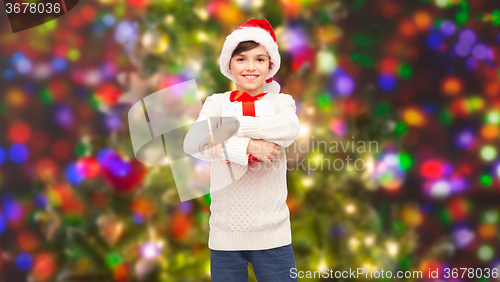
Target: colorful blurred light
{"type": "Point", "coordinates": [434, 41]}
{"type": "Point", "coordinates": [405, 161]}
{"type": "Point", "coordinates": [125, 32]}
{"type": "Point", "coordinates": [44, 267]}
{"type": "Point", "coordinates": [117, 165]}
{"type": "Point", "coordinates": [388, 172]}
{"type": "Point", "coordinates": [387, 82]}
{"type": "Point", "coordinates": [27, 241]}
{"type": "Point", "coordinates": [422, 20]}
{"type": "Point", "coordinates": [150, 250]}
{"type": "Point", "coordinates": [41, 201]}
{"type": "Point", "coordinates": [476, 103]}
{"type": "Point", "coordinates": [491, 217]}
{"type": "Point", "coordinates": [24, 261]}
{"type": "Point", "coordinates": [467, 37]}
{"type": "Point", "coordinates": [481, 52]}
{"type": "Point", "coordinates": [485, 179]}
{"type": "Point", "coordinates": [186, 207]}
{"type": "Point", "coordinates": [63, 116]}
{"type": "Point", "coordinates": [490, 131]}
{"type": "Point", "coordinates": [59, 64]}
{"type": "Point", "coordinates": [413, 117]}
{"type": "Point", "coordinates": [485, 252]}
{"type": "Point", "coordinates": [344, 84]}
{"type": "Point", "coordinates": [465, 138]}
{"type": "Point", "coordinates": [488, 153]}
{"type": "Point", "coordinates": [459, 208]}
{"type": "Point", "coordinates": [2, 155]}
{"type": "Point", "coordinates": [462, 49]}
{"type": "Point", "coordinates": [440, 189]}
{"type": "Point", "coordinates": [405, 71]}
{"type": "Point", "coordinates": [447, 28]}
{"type": "Point", "coordinates": [18, 153]}
{"type": "Point", "coordinates": [493, 117]}
{"type": "Point", "coordinates": [19, 132]}
{"type": "Point", "coordinates": [108, 20]}
{"type": "Point", "coordinates": [24, 66]}
{"type": "Point", "coordinates": [102, 154]}
{"type": "Point", "coordinates": [471, 64]}
{"type": "Point", "coordinates": [113, 122]}
{"type": "Point", "coordinates": [291, 39]}
{"type": "Point", "coordinates": [74, 175]}
{"type": "Point", "coordinates": [458, 184]}
{"type": "Point", "coordinates": [12, 210]}
{"type": "Point", "coordinates": [3, 224]}
{"type": "Point", "coordinates": [113, 260]}
{"type": "Point", "coordinates": [452, 86]}
{"type": "Point", "coordinates": [487, 231]}
{"type": "Point", "coordinates": [412, 216]}
{"type": "Point", "coordinates": [338, 126]}
{"type": "Point", "coordinates": [463, 237]}
{"type": "Point", "coordinates": [88, 167]}
{"type": "Point", "coordinates": [325, 62]}
{"type": "Point", "coordinates": [432, 169]}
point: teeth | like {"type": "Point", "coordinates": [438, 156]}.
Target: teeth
{"type": "Point", "coordinates": [250, 76]}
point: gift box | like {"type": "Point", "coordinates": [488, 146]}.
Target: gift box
{"type": "Point", "coordinates": [231, 110]}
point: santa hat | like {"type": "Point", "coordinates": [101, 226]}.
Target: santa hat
{"type": "Point", "coordinates": [261, 32]}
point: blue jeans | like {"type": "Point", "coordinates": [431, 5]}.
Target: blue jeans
{"type": "Point", "coordinates": [271, 265]}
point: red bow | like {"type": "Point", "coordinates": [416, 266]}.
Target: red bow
{"type": "Point", "coordinates": [248, 107]}
{"type": "Point", "coordinates": [242, 96]}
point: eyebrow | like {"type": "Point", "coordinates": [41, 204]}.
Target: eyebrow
{"type": "Point", "coordinates": [258, 55]}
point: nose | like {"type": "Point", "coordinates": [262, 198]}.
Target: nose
{"type": "Point", "coordinates": [250, 65]}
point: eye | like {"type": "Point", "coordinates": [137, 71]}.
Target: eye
{"type": "Point", "coordinates": [262, 60]}
{"type": "Point", "coordinates": [239, 59]}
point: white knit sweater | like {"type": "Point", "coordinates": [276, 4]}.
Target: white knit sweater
{"type": "Point", "coordinates": [248, 208]}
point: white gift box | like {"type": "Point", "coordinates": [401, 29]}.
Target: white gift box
{"type": "Point", "coordinates": [231, 110]}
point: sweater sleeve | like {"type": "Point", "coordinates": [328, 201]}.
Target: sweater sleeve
{"type": "Point", "coordinates": [234, 149]}
{"type": "Point", "coordinates": [281, 128]}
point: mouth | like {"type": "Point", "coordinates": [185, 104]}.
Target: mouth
{"type": "Point", "coordinates": [250, 76]}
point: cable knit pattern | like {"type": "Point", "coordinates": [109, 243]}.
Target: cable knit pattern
{"type": "Point", "coordinates": [251, 212]}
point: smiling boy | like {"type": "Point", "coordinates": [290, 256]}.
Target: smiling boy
{"type": "Point", "coordinates": [250, 221]}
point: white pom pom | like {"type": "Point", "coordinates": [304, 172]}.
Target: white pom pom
{"type": "Point", "coordinates": [273, 87]}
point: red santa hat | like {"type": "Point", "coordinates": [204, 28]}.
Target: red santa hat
{"type": "Point", "coordinates": [261, 32]}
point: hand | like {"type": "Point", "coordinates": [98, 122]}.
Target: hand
{"type": "Point", "coordinates": [263, 150]}
{"type": "Point", "coordinates": [215, 140]}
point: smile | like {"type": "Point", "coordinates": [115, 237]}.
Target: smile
{"type": "Point", "coordinates": [250, 77]}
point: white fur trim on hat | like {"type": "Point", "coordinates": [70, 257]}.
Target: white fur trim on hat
{"type": "Point", "coordinates": [273, 87]}
{"type": "Point", "coordinates": [258, 35]}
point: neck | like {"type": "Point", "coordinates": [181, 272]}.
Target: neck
{"type": "Point", "coordinates": [254, 92]}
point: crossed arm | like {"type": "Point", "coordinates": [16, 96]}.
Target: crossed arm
{"type": "Point", "coordinates": [281, 128]}
{"type": "Point", "coordinates": [235, 147]}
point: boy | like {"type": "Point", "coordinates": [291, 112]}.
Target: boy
{"type": "Point", "coordinates": [249, 221]}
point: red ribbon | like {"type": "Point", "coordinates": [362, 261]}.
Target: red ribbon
{"type": "Point", "coordinates": [248, 107]}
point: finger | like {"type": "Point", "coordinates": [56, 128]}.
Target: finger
{"type": "Point", "coordinates": [212, 152]}
{"type": "Point", "coordinates": [218, 151]}
{"type": "Point", "coordinates": [201, 147]}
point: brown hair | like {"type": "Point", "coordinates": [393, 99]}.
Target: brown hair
{"type": "Point", "coordinates": [246, 46]}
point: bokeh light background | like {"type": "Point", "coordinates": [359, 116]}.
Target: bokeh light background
{"type": "Point", "coordinates": [422, 78]}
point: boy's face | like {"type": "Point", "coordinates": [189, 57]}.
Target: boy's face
{"type": "Point", "coordinates": [250, 70]}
